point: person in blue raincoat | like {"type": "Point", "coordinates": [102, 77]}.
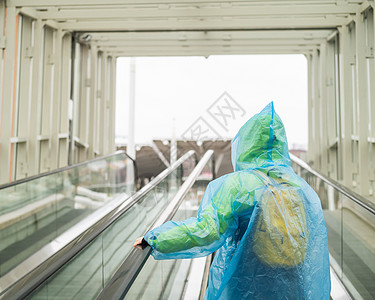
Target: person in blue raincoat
{"type": "Point", "coordinates": [264, 221]}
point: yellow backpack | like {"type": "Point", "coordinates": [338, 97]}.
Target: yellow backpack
{"type": "Point", "coordinates": [281, 235]}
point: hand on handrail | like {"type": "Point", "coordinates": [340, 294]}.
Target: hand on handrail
{"type": "Point", "coordinates": [140, 243]}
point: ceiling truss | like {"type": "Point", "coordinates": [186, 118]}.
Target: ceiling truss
{"type": "Point", "coordinates": [154, 28]}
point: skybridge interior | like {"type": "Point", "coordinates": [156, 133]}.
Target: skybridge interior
{"type": "Point", "coordinates": [72, 202]}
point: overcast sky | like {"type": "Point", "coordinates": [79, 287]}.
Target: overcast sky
{"type": "Point", "coordinates": [183, 92]}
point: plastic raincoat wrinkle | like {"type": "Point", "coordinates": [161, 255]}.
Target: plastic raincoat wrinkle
{"type": "Point", "coordinates": [265, 222]}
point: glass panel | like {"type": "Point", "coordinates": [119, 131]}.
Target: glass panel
{"type": "Point", "coordinates": [149, 281]}
{"type": "Point", "coordinates": [331, 204]}
{"type": "Point", "coordinates": [358, 250]}
{"type": "Point", "coordinates": [35, 212]}
{"type": "Point", "coordinates": [166, 279]}
{"type": "Point", "coordinates": [188, 166]}
{"type": "Point", "coordinates": [27, 219]}
{"type": "Point", "coordinates": [163, 279]}
{"type": "Point", "coordinates": [85, 275]}
{"type": "Point", "coordinates": [81, 280]}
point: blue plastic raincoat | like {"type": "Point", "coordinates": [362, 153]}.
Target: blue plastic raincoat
{"type": "Point", "coordinates": [265, 222]}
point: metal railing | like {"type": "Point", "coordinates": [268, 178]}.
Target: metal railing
{"type": "Point", "coordinates": [123, 279]}
{"type": "Point", "coordinates": [25, 278]}
{"type": "Point", "coordinates": [59, 170]}
{"type": "Point", "coordinates": [365, 203]}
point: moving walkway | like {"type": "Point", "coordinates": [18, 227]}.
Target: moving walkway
{"type": "Point", "coordinates": [350, 220]}
{"type": "Point", "coordinates": [98, 261]}
{"type": "Point", "coordinates": [76, 259]}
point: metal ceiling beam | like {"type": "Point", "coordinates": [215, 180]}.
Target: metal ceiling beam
{"type": "Point", "coordinates": [203, 48]}
{"type": "Point", "coordinates": [207, 24]}
{"type": "Point", "coordinates": [153, 11]}
{"type": "Point", "coordinates": [213, 35]}
{"type": "Point", "coordinates": [227, 3]}
{"type": "Point", "coordinates": [209, 43]}
{"type": "Point", "coordinates": [209, 52]}
{"type": "Point", "coordinates": [204, 43]}
{"type": "Point", "coordinates": [179, 54]}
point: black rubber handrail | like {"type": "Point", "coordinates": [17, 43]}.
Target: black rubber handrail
{"type": "Point", "coordinates": [26, 179]}
{"type": "Point", "coordinates": [23, 180]}
{"type": "Point", "coordinates": [358, 199]}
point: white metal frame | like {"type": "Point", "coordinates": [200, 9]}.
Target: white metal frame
{"type": "Point", "coordinates": [82, 40]}
{"type": "Point", "coordinates": [345, 88]}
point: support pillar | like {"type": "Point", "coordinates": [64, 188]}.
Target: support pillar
{"type": "Point", "coordinates": [346, 91]}
{"type": "Point", "coordinates": [316, 110]}
{"type": "Point", "coordinates": [131, 134]}
{"type": "Point", "coordinates": [310, 153]}
{"type": "Point", "coordinates": [322, 116]}
{"type": "Point", "coordinates": [102, 104]}
{"type": "Point", "coordinates": [76, 102]}
{"type": "Point", "coordinates": [130, 148]}
{"type": "Point", "coordinates": [93, 100]}
{"type": "Point", "coordinates": [112, 106]}
{"type": "Point", "coordinates": [8, 97]}
{"type": "Point", "coordinates": [363, 106]}
{"type": "Point", "coordinates": [63, 153]}
{"type": "Point", "coordinates": [84, 106]}
{"type": "Point", "coordinates": [56, 100]}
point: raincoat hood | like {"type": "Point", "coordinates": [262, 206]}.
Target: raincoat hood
{"type": "Point", "coordinates": [260, 142]}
